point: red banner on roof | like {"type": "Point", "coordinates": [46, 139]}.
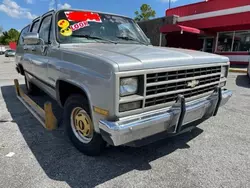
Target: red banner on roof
{"type": "Point", "coordinates": [78, 16]}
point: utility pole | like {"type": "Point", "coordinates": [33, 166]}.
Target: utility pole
{"type": "Point", "coordinates": [169, 1]}
{"type": "Point", "coordinates": [56, 4]}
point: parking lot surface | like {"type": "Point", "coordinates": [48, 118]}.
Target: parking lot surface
{"type": "Point", "coordinates": [215, 154]}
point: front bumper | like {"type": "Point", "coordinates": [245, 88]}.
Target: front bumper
{"type": "Point", "coordinates": [171, 119]}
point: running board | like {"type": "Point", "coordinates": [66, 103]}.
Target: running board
{"type": "Point", "coordinates": [45, 116]}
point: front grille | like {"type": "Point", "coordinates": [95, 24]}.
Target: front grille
{"type": "Point", "coordinates": [169, 84]}
{"type": "Point", "coordinates": [173, 97]}
{"type": "Point", "coordinates": [180, 85]}
{"type": "Point", "coordinates": [174, 75]}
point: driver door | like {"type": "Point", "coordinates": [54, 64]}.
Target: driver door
{"type": "Point", "coordinates": [40, 57]}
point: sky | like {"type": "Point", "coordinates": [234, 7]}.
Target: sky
{"type": "Point", "coordinates": [18, 13]}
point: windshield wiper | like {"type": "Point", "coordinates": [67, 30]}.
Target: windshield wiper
{"type": "Point", "coordinates": [132, 39]}
{"type": "Point", "coordinates": [94, 37]}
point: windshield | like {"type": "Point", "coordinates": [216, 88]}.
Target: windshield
{"type": "Point", "coordinates": [86, 27]}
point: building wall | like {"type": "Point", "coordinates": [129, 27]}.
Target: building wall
{"type": "Point", "coordinates": [212, 16]}
{"type": "Point", "coordinates": [152, 28]}
{"type": "Point", "coordinates": [12, 45]}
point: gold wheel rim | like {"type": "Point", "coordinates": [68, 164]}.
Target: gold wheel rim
{"type": "Point", "coordinates": [82, 125]}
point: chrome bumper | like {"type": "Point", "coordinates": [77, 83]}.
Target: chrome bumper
{"type": "Point", "coordinates": [172, 118]}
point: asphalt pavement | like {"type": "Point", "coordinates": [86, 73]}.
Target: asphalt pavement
{"type": "Point", "coordinates": [215, 154]}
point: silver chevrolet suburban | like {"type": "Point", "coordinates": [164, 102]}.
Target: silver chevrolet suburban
{"type": "Point", "coordinates": [115, 87]}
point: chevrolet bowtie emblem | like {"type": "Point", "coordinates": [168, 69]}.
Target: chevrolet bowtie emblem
{"type": "Point", "coordinates": [193, 83]}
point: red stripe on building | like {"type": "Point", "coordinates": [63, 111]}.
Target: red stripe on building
{"type": "Point", "coordinates": [220, 21]}
{"type": "Point", "coordinates": [209, 6]}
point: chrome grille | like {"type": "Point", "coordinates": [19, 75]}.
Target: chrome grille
{"type": "Point", "coordinates": [173, 75]}
{"type": "Point", "coordinates": [164, 87]}
{"type": "Point", "coordinates": [180, 85]}
{"type": "Point", "coordinates": [173, 97]}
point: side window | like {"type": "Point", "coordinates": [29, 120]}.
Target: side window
{"type": "Point", "coordinates": [45, 29]}
{"type": "Point", "coordinates": [23, 32]}
{"type": "Point", "coordinates": [34, 27]}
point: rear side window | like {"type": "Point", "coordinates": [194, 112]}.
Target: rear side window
{"type": "Point", "coordinates": [34, 27]}
{"type": "Point", "coordinates": [23, 32]}
{"type": "Point", "coordinates": [45, 28]}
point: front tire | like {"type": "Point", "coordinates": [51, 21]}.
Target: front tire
{"type": "Point", "coordinates": [80, 128]}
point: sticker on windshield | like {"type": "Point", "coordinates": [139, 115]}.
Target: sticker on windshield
{"type": "Point", "coordinates": [83, 16]}
{"type": "Point", "coordinates": [79, 25]}
{"type": "Point", "coordinates": [64, 25]}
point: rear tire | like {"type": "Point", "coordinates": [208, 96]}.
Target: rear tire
{"type": "Point", "coordinates": [30, 87]}
{"type": "Point", "coordinates": [81, 133]}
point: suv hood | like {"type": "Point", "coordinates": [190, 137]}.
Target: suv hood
{"type": "Point", "coordinates": [137, 57]}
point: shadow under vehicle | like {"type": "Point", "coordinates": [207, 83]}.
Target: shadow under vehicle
{"type": "Point", "coordinates": [62, 162]}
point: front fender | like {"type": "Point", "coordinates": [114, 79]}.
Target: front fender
{"type": "Point", "coordinates": [76, 84]}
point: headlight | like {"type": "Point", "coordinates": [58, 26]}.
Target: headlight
{"type": "Point", "coordinates": [224, 71]}
{"type": "Point", "coordinates": [128, 86]}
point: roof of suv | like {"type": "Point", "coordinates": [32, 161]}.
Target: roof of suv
{"type": "Point", "coordinates": [56, 11]}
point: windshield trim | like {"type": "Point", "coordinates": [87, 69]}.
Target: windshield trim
{"type": "Point", "coordinates": [136, 25]}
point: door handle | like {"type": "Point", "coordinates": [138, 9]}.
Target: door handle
{"type": "Point", "coordinates": [33, 49]}
{"type": "Point", "coordinates": [25, 48]}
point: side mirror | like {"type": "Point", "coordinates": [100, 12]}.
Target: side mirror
{"type": "Point", "coordinates": [31, 39]}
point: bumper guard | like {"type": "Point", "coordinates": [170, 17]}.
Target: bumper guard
{"type": "Point", "coordinates": [172, 118]}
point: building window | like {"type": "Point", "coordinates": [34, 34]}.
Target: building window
{"type": "Point", "coordinates": [236, 41]}
{"type": "Point", "coordinates": [241, 41]}
{"type": "Point", "coordinates": [225, 42]}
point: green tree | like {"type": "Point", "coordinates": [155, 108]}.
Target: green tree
{"type": "Point", "coordinates": [9, 36]}
{"type": "Point", "coordinates": [146, 12]}
{"type": "Point", "coordinates": [13, 35]}
{"type": "Point", "coordinates": [1, 34]}
{"type": "Point", "coordinates": [3, 38]}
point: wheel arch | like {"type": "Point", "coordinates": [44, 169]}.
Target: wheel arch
{"type": "Point", "coordinates": [65, 88]}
